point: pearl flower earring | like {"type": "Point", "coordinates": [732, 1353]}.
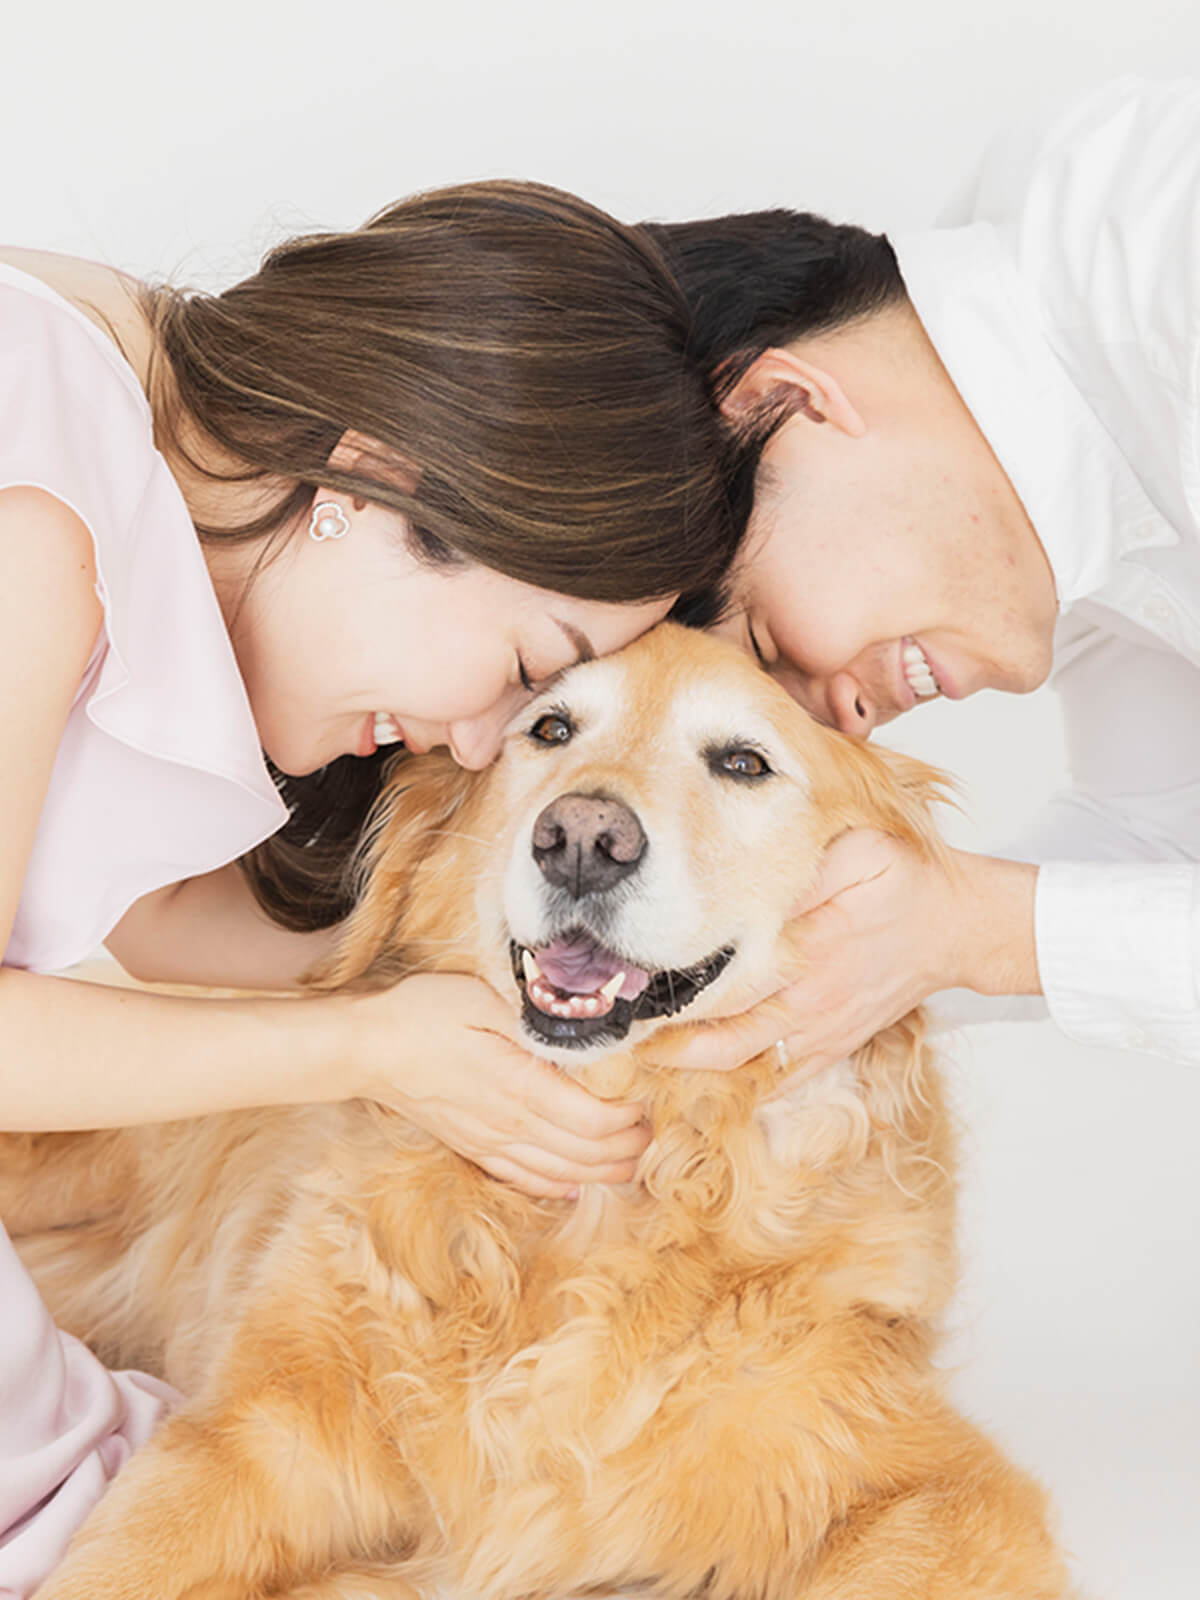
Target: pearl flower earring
{"type": "Point", "coordinates": [328, 521]}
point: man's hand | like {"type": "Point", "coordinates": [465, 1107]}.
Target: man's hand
{"type": "Point", "coordinates": [884, 928]}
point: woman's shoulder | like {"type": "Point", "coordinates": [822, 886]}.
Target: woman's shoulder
{"type": "Point", "coordinates": [109, 299]}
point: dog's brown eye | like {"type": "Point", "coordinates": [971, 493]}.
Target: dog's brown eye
{"type": "Point", "coordinates": [739, 761]}
{"type": "Point", "coordinates": [553, 728]}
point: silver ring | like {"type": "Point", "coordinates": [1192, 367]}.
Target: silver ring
{"type": "Point", "coordinates": [784, 1055]}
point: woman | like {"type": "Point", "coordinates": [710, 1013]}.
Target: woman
{"type": "Point", "coordinates": [430, 463]}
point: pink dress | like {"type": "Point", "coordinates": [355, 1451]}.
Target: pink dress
{"type": "Point", "coordinates": [159, 777]}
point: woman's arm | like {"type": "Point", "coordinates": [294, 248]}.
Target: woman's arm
{"type": "Point", "coordinates": [50, 617]}
{"type": "Point", "coordinates": [80, 1055]}
{"type": "Point", "coordinates": [210, 930]}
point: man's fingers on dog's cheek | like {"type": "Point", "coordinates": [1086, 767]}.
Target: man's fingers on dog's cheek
{"type": "Point", "coordinates": [706, 1046]}
{"type": "Point", "coordinates": [722, 1046]}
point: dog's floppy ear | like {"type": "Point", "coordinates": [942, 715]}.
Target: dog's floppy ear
{"type": "Point", "coordinates": [870, 786]}
{"type": "Point", "coordinates": [423, 795]}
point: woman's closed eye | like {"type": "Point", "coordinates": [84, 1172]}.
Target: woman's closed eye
{"type": "Point", "coordinates": [754, 644]}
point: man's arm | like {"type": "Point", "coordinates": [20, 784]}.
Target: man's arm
{"type": "Point", "coordinates": [1117, 913]}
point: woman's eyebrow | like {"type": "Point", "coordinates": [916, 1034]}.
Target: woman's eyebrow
{"type": "Point", "coordinates": [583, 645]}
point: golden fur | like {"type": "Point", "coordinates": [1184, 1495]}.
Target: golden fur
{"type": "Point", "coordinates": [406, 1377]}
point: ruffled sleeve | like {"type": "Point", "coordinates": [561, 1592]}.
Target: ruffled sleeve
{"type": "Point", "coordinates": [159, 774]}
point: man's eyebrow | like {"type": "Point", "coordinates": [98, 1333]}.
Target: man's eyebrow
{"type": "Point", "coordinates": [583, 645]}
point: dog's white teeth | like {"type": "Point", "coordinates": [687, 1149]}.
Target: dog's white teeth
{"type": "Point", "coordinates": [532, 971]}
{"type": "Point", "coordinates": [613, 987]}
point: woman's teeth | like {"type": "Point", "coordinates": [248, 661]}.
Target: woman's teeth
{"type": "Point", "coordinates": [386, 731]}
{"type": "Point", "coordinates": [917, 672]}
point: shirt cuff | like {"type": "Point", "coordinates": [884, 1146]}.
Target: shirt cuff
{"type": "Point", "coordinates": [1115, 950]}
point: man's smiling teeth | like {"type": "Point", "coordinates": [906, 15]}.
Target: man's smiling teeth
{"type": "Point", "coordinates": [917, 672]}
{"type": "Point", "coordinates": [386, 731]}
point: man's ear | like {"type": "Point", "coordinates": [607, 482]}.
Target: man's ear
{"type": "Point", "coordinates": [779, 380]}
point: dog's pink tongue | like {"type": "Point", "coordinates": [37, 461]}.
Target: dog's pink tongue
{"type": "Point", "coordinates": [577, 966]}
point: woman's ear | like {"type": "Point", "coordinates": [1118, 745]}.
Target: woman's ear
{"type": "Point", "coordinates": [778, 381]}
{"type": "Point", "coordinates": [422, 796]}
{"type": "Point", "coordinates": [357, 452]}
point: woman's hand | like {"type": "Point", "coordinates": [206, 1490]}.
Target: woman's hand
{"type": "Point", "coordinates": [884, 928]}
{"type": "Point", "coordinates": [438, 1048]}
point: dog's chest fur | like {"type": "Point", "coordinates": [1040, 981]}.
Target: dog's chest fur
{"type": "Point", "coordinates": [556, 1344]}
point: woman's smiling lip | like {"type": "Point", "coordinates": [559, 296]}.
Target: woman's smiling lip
{"type": "Point", "coordinates": [369, 740]}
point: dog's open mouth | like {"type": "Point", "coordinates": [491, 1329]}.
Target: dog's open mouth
{"type": "Point", "coordinates": [576, 991]}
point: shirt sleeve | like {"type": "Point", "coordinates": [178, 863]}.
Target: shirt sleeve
{"type": "Point", "coordinates": [1118, 898]}
{"type": "Point", "coordinates": [1118, 894]}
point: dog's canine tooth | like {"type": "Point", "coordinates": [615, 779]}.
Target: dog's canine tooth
{"type": "Point", "coordinates": [532, 971]}
{"type": "Point", "coordinates": [612, 987]}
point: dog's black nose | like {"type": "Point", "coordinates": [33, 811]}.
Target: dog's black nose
{"type": "Point", "coordinates": [586, 843]}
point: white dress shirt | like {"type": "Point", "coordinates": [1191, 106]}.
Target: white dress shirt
{"type": "Point", "coordinates": [1067, 312]}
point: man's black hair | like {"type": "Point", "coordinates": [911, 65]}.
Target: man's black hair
{"type": "Point", "coordinates": [764, 278]}
{"type": "Point", "coordinates": [756, 280]}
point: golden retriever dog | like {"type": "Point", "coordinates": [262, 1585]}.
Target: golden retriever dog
{"type": "Point", "coordinates": [406, 1378]}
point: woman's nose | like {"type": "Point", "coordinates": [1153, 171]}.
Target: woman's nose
{"type": "Point", "coordinates": [475, 743]}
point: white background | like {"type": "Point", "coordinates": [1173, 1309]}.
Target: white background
{"type": "Point", "coordinates": [181, 140]}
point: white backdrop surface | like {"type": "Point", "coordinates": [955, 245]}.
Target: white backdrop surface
{"type": "Point", "coordinates": [182, 140]}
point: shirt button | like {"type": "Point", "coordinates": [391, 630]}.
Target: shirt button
{"type": "Point", "coordinates": [1158, 612]}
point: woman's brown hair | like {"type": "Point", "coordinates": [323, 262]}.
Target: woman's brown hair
{"type": "Point", "coordinates": [522, 361]}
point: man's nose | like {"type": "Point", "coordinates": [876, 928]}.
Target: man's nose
{"type": "Point", "coordinates": [853, 710]}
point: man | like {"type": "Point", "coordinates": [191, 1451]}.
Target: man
{"type": "Point", "coordinates": [982, 464]}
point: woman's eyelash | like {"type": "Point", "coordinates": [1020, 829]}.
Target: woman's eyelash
{"type": "Point", "coordinates": [755, 646]}
{"type": "Point", "coordinates": [526, 680]}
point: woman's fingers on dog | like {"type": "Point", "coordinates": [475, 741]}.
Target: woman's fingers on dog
{"type": "Point", "coordinates": [557, 1169]}
{"type": "Point", "coordinates": [526, 1179]}
{"type": "Point", "coordinates": [585, 1160]}
{"type": "Point", "coordinates": [559, 1102]}
{"type": "Point", "coordinates": [537, 1172]}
